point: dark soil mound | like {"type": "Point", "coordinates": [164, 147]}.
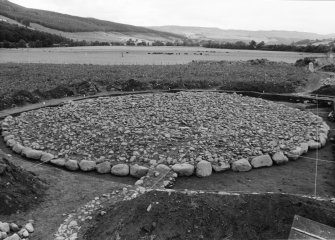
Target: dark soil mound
{"type": "Point", "coordinates": [261, 61]}
{"type": "Point", "coordinates": [85, 87]}
{"type": "Point", "coordinates": [135, 85]}
{"type": "Point", "coordinates": [329, 68]}
{"type": "Point", "coordinates": [326, 90]}
{"type": "Point", "coordinates": [305, 61]}
{"type": "Point", "coordinates": [19, 190]}
{"type": "Point", "coordinates": [207, 216]}
{"type": "Point", "coordinates": [57, 92]}
{"type": "Point", "coordinates": [261, 86]}
{"type": "Point", "coordinates": [23, 96]}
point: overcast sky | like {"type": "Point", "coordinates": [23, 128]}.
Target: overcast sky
{"type": "Point", "coordinates": [302, 15]}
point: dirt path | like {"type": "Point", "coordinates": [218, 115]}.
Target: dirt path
{"type": "Point", "coordinates": [67, 191]}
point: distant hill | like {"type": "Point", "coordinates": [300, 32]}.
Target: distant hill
{"type": "Point", "coordinates": [270, 37]}
{"type": "Point", "coordinates": [72, 24]}
{"type": "Point", "coordinates": [91, 29]}
{"type": "Point", "coordinates": [315, 42]}
{"type": "Point", "coordinates": [16, 36]}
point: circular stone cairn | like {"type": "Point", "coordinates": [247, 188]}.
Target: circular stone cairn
{"type": "Point", "coordinates": [183, 131]}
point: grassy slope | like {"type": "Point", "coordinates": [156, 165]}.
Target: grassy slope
{"type": "Point", "coordinates": [68, 23]}
{"type": "Point", "coordinates": [101, 36]}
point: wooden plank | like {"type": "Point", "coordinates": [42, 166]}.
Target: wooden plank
{"type": "Point", "coordinates": [303, 228]}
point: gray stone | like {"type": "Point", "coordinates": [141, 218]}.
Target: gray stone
{"type": "Point", "coordinates": [324, 129]}
{"type": "Point", "coordinates": [29, 227]}
{"type": "Point", "coordinates": [153, 162]}
{"type": "Point", "coordinates": [163, 168]}
{"type": "Point", "coordinates": [31, 153]}
{"type": "Point", "coordinates": [323, 139]}
{"type": "Point", "coordinates": [5, 133]}
{"type": "Point", "coordinates": [204, 169]}
{"type": "Point", "coordinates": [8, 137]}
{"type": "Point", "coordinates": [166, 183]}
{"type": "Point", "coordinates": [139, 182]}
{"type": "Point", "coordinates": [298, 151]}
{"type": "Point", "coordinates": [326, 126]}
{"type": "Point", "coordinates": [120, 170]}
{"type": "Point", "coordinates": [14, 227]}
{"type": "Point", "coordinates": [221, 167]}
{"type": "Point", "coordinates": [241, 165]}
{"type": "Point", "coordinates": [11, 143]}
{"type": "Point", "coordinates": [291, 156]}
{"type": "Point", "coordinates": [23, 233]}
{"type": "Point", "coordinates": [104, 167]}
{"type": "Point", "coordinates": [74, 236]}
{"type": "Point", "coordinates": [311, 67]}
{"type": "Point", "coordinates": [262, 161]}
{"type": "Point", "coordinates": [304, 147]}
{"type": "Point", "coordinates": [313, 145]}
{"type": "Point", "coordinates": [86, 165]}
{"type": "Point", "coordinates": [138, 171]}
{"type": "Point", "coordinates": [4, 227]}
{"type": "Point", "coordinates": [13, 237]}
{"type": "Point", "coordinates": [73, 224]}
{"type": "Point", "coordinates": [17, 148]}
{"type": "Point", "coordinates": [60, 162]}
{"type": "Point", "coordinates": [72, 165]}
{"type": "Point", "coordinates": [46, 157]}
{"type": "Point", "coordinates": [279, 158]}
{"type": "Point", "coordinates": [183, 169]}
{"type": "Point", "coordinates": [3, 235]}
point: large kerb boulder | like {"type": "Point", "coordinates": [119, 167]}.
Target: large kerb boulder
{"type": "Point", "coordinates": [120, 170]}
{"type": "Point", "coordinates": [204, 169]}
{"type": "Point", "coordinates": [183, 169]}
{"type": "Point", "coordinates": [241, 165]}
{"type": "Point", "coordinates": [261, 161]}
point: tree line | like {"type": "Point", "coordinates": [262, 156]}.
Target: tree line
{"type": "Point", "coordinates": [14, 36]}
{"type": "Point", "coordinates": [253, 45]}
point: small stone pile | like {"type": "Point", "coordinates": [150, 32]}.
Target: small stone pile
{"type": "Point", "coordinates": [74, 221]}
{"type": "Point", "coordinates": [328, 81]}
{"type": "Point", "coordinates": [12, 231]}
{"type": "Point", "coordinates": [190, 133]}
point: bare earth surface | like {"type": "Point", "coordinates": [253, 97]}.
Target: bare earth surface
{"type": "Point", "coordinates": [66, 192]}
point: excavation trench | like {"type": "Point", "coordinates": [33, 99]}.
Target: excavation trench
{"type": "Point", "coordinates": [164, 215]}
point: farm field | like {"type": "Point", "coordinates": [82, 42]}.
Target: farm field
{"type": "Point", "coordinates": [117, 55]}
{"type": "Point", "coordinates": [47, 81]}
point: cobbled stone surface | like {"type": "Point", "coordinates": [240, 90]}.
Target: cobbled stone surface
{"type": "Point", "coordinates": [165, 129]}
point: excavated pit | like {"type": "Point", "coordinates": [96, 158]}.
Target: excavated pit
{"type": "Point", "coordinates": [19, 190]}
{"type": "Point", "coordinates": [175, 215]}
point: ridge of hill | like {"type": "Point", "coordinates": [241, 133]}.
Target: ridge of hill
{"type": "Point", "coordinates": [270, 37]}
{"type": "Point", "coordinates": [73, 24]}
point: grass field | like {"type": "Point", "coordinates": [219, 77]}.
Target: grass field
{"type": "Point", "coordinates": [140, 55]}
{"type": "Point", "coordinates": [32, 82]}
